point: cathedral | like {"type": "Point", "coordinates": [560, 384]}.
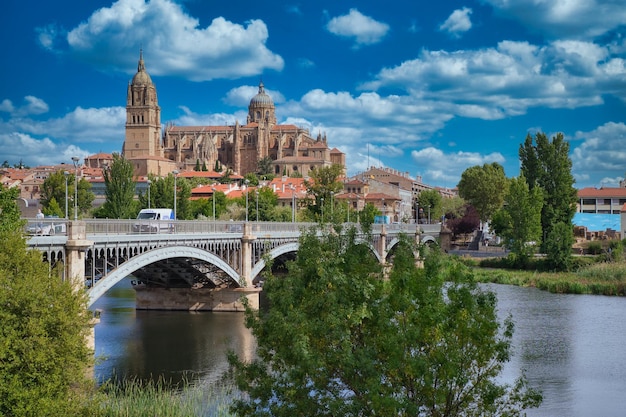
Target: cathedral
{"type": "Point", "coordinates": [157, 151]}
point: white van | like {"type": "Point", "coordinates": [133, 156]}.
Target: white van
{"type": "Point", "coordinates": [154, 221]}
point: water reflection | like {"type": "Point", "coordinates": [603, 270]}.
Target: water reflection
{"type": "Point", "coordinates": [174, 345]}
{"type": "Point", "coordinates": [570, 346]}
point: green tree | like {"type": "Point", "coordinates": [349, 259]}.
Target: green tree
{"type": "Point", "coordinates": [339, 340]}
{"type": "Point", "coordinates": [10, 217]}
{"type": "Point", "coordinates": [54, 209]}
{"type": "Point", "coordinates": [519, 220]}
{"type": "Point", "coordinates": [546, 164]}
{"type": "Point", "coordinates": [430, 204]}
{"type": "Point", "coordinates": [366, 217]}
{"type": "Point", "coordinates": [268, 200]}
{"type": "Point", "coordinates": [53, 187]}
{"type": "Point", "coordinates": [162, 195]}
{"type": "Point", "coordinates": [484, 188]}
{"type": "Point", "coordinates": [323, 182]}
{"type": "Point", "coordinates": [559, 242]}
{"type": "Point", "coordinates": [43, 352]}
{"type": "Point", "coordinates": [264, 168]}
{"type": "Point", "coordinates": [119, 189]}
{"type": "Point", "coordinates": [204, 206]}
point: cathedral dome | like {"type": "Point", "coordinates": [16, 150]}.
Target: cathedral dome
{"type": "Point", "coordinates": [261, 99]}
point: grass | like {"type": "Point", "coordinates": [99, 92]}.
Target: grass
{"type": "Point", "coordinates": [599, 279]}
{"type": "Point", "coordinates": [148, 399]}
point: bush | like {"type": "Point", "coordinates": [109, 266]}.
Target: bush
{"type": "Point", "coordinates": [594, 248]}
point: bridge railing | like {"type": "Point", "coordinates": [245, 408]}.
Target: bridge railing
{"type": "Point", "coordinates": [49, 227]}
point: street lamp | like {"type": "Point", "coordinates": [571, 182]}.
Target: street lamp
{"type": "Point", "coordinates": [332, 205]}
{"type": "Point", "coordinates": [75, 160]}
{"type": "Point", "coordinates": [257, 204]}
{"type": "Point", "coordinates": [293, 204]}
{"type": "Point", "coordinates": [66, 174]}
{"type": "Point", "coordinates": [322, 209]}
{"type": "Point", "coordinates": [175, 172]}
{"type": "Point", "coordinates": [429, 214]}
{"type": "Point", "coordinates": [213, 188]}
{"type": "Point", "coordinates": [247, 182]}
{"type": "Point", "coordinates": [149, 182]}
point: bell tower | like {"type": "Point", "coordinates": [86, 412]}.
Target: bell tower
{"type": "Point", "coordinates": [143, 116]}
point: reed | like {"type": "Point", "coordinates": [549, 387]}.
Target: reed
{"type": "Point", "coordinates": [135, 398]}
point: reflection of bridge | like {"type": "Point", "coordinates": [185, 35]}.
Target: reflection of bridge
{"type": "Point", "coordinates": [199, 265]}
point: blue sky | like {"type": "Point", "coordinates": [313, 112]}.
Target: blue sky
{"type": "Point", "coordinates": [428, 88]}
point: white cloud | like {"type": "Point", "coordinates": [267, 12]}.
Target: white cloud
{"type": "Point", "coordinates": [16, 147]}
{"type": "Point", "coordinates": [32, 106]}
{"type": "Point", "coordinates": [446, 168]}
{"type": "Point", "coordinates": [574, 19]}
{"type": "Point", "coordinates": [92, 125]}
{"type": "Point", "coordinates": [190, 118]}
{"type": "Point", "coordinates": [458, 22]}
{"type": "Point", "coordinates": [176, 44]}
{"type": "Point", "coordinates": [241, 96]}
{"type": "Point", "coordinates": [363, 29]}
{"type": "Point", "coordinates": [493, 83]}
{"type": "Point", "coordinates": [602, 150]}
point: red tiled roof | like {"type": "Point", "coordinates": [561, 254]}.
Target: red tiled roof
{"type": "Point", "coordinates": [100, 155]}
{"type": "Point", "coordinates": [200, 174]}
{"type": "Point", "coordinates": [604, 192]}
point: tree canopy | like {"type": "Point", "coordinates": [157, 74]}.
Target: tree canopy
{"type": "Point", "coordinates": [484, 188]}
{"type": "Point", "coordinates": [54, 194]}
{"type": "Point", "coordinates": [339, 340]}
{"type": "Point", "coordinates": [430, 205]}
{"type": "Point", "coordinates": [519, 221]}
{"type": "Point", "coordinates": [546, 164]}
{"type": "Point", "coordinates": [44, 324]}
{"type": "Point", "coordinates": [323, 183]}
{"type": "Point", "coordinates": [119, 189]}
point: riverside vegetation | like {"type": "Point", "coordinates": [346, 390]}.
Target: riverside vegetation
{"type": "Point", "coordinates": [602, 271]}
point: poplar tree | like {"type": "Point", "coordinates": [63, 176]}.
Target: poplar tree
{"type": "Point", "coordinates": [119, 189]}
{"type": "Point", "coordinates": [546, 164]}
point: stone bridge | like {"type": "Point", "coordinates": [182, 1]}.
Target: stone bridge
{"type": "Point", "coordinates": [187, 265]}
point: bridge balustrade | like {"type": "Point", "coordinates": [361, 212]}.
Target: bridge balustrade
{"type": "Point", "coordinates": [58, 227]}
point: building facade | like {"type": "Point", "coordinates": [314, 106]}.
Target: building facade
{"type": "Point", "coordinates": [237, 147]}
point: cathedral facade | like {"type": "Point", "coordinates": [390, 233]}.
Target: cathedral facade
{"type": "Point", "coordinates": [158, 151]}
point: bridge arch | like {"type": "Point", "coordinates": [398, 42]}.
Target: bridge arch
{"type": "Point", "coordinates": [273, 254]}
{"type": "Point", "coordinates": [150, 257]}
{"type": "Point", "coordinates": [428, 239]}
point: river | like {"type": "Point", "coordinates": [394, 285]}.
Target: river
{"type": "Point", "coordinates": [570, 346]}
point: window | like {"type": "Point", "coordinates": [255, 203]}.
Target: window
{"type": "Point", "coordinates": [589, 202]}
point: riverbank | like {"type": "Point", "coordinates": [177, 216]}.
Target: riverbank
{"type": "Point", "coordinates": [597, 279]}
